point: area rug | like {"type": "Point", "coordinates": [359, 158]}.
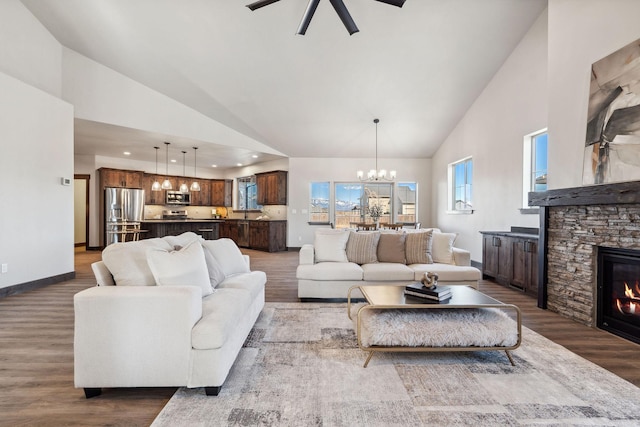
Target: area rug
{"type": "Point", "coordinates": [301, 366]}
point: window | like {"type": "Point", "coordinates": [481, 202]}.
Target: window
{"type": "Point", "coordinates": [405, 206]}
{"type": "Point", "coordinates": [534, 164]}
{"type": "Point", "coordinates": [354, 200]}
{"type": "Point", "coordinates": [319, 203]}
{"type": "Point", "coordinates": [460, 186]}
{"type": "Point", "coordinates": [247, 194]}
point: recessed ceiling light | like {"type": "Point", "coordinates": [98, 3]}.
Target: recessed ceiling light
{"type": "Point", "coordinates": [173, 160]}
{"type": "Point", "coordinates": [214, 166]}
{"type": "Point", "coordinates": [255, 156]}
{"type": "Point", "coordinates": [127, 153]}
{"type": "Point", "coordinates": [238, 164]}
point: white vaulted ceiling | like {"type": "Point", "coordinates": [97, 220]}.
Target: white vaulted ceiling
{"type": "Point", "coordinates": [418, 68]}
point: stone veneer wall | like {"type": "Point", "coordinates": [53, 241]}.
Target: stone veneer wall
{"type": "Point", "coordinates": [574, 232]}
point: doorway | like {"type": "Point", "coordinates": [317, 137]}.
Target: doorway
{"type": "Point", "coordinates": [81, 211]}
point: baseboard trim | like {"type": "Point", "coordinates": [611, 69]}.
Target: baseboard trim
{"type": "Point", "coordinates": [35, 284]}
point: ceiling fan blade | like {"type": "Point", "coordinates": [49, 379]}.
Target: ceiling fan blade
{"type": "Point", "coordinates": [398, 3]}
{"type": "Point", "coordinates": [344, 15]}
{"type": "Point", "coordinates": [306, 18]}
{"type": "Point", "coordinates": [260, 3]}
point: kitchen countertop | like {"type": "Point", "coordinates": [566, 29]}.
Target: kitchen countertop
{"type": "Point", "coordinates": [184, 220]}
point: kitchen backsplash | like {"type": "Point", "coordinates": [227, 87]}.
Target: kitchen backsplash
{"type": "Point", "coordinates": [278, 212]}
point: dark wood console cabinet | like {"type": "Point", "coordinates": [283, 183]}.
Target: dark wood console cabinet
{"type": "Point", "coordinates": [511, 259]}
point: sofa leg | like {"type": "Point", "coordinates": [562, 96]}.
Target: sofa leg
{"type": "Point", "coordinates": [212, 391]}
{"type": "Point", "coordinates": [92, 392]}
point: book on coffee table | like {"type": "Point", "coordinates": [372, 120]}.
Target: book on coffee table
{"type": "Point", "coordinates": [429, 298]}
{"type": "Point", "coordinates": [437, 292]}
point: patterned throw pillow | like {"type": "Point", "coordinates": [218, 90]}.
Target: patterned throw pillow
{"type": "Point", "coordinates": [391, 247]}
{"type": "Point", "coordinates": [362, 247]}
{"type": "Point", "coordinates": [418, 247]}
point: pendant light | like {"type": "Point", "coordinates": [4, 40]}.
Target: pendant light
{"type": "Point", "coordinates": [184, 188]}
{"type": "Point", "coordinates": [195, 185]}
{"type": "Point", "coordinates": [166, 184]}
{"type": "Point", "coordinates": [375, 174]}
{"type": "Point", "coordinates": [156, 184]}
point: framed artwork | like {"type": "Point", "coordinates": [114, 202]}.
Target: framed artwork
{"type": "Point", "coordinates": [612, 145]}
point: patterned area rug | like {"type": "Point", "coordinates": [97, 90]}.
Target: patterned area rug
{"type": "Point", "coordinates": [301, 367]}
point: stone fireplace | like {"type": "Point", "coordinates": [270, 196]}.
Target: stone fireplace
{"type": "Point", "coordinates": [574, 224]}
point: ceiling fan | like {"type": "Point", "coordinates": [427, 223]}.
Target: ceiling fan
{"type": "Point", "coordinates": [338, 5]}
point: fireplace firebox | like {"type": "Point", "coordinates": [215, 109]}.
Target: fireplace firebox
{"type": "Point", "coordinates": [618, 292]}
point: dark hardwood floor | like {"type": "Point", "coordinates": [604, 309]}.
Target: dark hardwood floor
{"type": "Point", "coordinates": [36, 349]}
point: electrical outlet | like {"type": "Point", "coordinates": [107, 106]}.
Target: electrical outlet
{"type": "Point", "coordinates": [299, 238]}
{"type": "Point", "coordinates": [5, 268]}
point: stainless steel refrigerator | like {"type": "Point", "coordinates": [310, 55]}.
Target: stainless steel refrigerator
{"type": "Point", "coordinates": [124, 210]}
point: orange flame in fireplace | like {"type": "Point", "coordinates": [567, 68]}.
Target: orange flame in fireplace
{"type": "Point", "coordinates": [630, 304]}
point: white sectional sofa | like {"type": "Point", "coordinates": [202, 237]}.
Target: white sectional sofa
{"type": "Point", "coordinates": [340, 259]}
{"type": "Point", "coordinates": [167, 312]}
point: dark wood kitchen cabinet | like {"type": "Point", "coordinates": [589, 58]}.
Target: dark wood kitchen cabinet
{"type": "Point", "coordinates": [152, 197]}
{"type": "Point", "coordinates": [229, 230]}
{"type": "Point", "coordinates": [268, 236]}
{"type": "Point", "coordinates": [221, 192]}
{"type": "Point", "coordinates": [120, 178]}
{"type": "Point", "coordinates": [511, 259]}
{"type": "Point", "coordinates": [272, 188]}
{"type": "Point", "coordinates": [202, 197]}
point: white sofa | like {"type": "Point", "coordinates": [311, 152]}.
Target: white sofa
{"type": "Point", "coordinates": [178, 315]}
{"type": "Point", "coordinates": [340, 259]}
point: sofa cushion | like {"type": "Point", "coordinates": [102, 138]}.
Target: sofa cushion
{"type": "Point", "coordinates": [391, 247]}
{"type": "Point", "coordinates": [228, 255]}
{"type": "Point", "coordinates": [382, 271]}
{"type": "Point", "coordinates": [362, 247]}
{"type": "Point", "coordinates": [418, 247]}
{"type": "Point", "coordinates": [330, 271]}
{"type": "Point", "coordinates": [185, 267]}
{"type": "Point", "coordinates": [127, 262]}
{"type": "Point", "coordinates": [221, 313]}
{"type": "Point", "coordinates": [330, 245]}
{"type": "Point", "coordinates": [216, 272]}
{"type": "Point", "coordinates": [446, 272]}
{"type": "Point", "coordinates": [442, 247]}
{"type": "Point", "coordinates": [252, 282]}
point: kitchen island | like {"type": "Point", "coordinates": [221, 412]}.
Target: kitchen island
{"type": "Point", "coordinates": [263, 235]}
{"type": "Point", "coordinates": [174, 227]}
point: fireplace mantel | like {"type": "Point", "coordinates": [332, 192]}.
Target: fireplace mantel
{"type": "Point", "coordinates": [605, 194]}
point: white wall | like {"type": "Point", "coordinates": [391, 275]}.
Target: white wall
{"type": "Point", "coordinates": [581, 32]}
{"type": "Point", "coordinates": [103, 95]}
{"type": "Point", "coordinates": [36, 227]}
{"type": "Point", "coordinates": [303, 171]}
{"type": "Point", "coordinates": [512, 105]}
{"type": "Point", "coordinates": [28, 51]}
{"type": "Point", "coordinates": [36, 140]}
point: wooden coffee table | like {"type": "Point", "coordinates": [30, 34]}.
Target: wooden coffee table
{"type": "Point", "coordinates": [391, 297]}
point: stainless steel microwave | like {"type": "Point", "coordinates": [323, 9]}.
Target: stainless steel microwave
{"type": "Point", "coordinates": [178, 198]}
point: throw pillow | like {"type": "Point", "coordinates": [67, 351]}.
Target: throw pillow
{"type": "Point", "coordinates": [330, 245]}
{"type": "Point", "coordinates": [186, 267]}
{"type": "Point", "coordinates": [418, 247]}
{"type": "Point", "coordinates": [127, 262]}
{"type": "Point", "coordinates": [228, 255]}
{"type": "Point", "coordinates": [391, 247]}
{"type": "Point", "coordinates": [362, 247]}
{"type": "Point", "coordinates": [182, 240]}
{"type": "Point", "coordinates": [216, 273]}
{"type": "Point", "coordinates": [442, 247]}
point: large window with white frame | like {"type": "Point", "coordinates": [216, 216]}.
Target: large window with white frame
{"type": "Point", "coordinates": [534, 164]}
{"type": "Point", "coordinates": [460, 179]}
{"type": "Point", "coordinates": [354, 201]}
{"type": "Point", "coordinates": [319, 203]}
{"type": "Point", "coordinates": [406, 202]}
